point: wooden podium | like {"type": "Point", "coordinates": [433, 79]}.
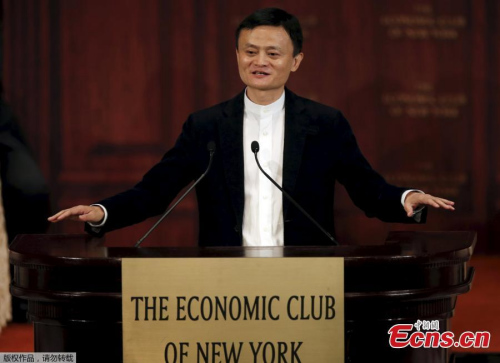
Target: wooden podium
{"type": "Point", "coordinates": [73, 287]}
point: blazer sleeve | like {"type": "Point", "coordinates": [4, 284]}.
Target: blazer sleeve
{"type": "Point", "coordinates": [158, 187]}
{"type": "Point", "coordinates": [367, 188]}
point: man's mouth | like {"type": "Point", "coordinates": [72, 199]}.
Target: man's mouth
{"type": "Point", "coordinates": [259, 73]}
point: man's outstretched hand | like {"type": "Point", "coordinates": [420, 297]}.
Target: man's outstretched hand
{"type": "Point", "coordinates": [414, 200]}
{"type": "Point", "coordinates": [82, 213]}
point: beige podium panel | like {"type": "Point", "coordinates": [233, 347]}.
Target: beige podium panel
{"type": "Point", "coordinates": [233, 309]}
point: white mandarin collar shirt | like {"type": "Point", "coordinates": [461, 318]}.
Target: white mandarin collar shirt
{"type": "Point", "coordinates": [263, 211]}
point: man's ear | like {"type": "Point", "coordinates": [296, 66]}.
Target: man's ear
{"type": "Point", "coordinates": [296, 61]}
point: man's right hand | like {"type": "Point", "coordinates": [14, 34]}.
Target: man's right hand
{"type": "Point", "coordinates": [82, 213]}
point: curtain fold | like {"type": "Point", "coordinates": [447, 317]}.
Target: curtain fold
{"type": "Point", "coordinates": [5, 300]}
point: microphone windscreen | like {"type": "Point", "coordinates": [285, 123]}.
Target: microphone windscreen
{"type": "Point", "coordinates": [255, 146]}
{"type": "Point", "coordinates": [211, 146]}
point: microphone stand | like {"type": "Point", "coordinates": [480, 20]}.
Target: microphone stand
{"type": "Point", "coordinates": [211, 148]}
{"type": "Point", "coordinates": [255, 150]}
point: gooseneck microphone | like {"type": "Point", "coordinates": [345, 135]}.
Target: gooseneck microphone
{"type": "Point", "coordinates": [211, 149]}
{"type": "Point", "coordinates": [255, 149]}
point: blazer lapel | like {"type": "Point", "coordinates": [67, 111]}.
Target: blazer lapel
{"type": "Point", "coordinates": [296, 122]}
{"type": "Point", "coordinates": [231, 140]}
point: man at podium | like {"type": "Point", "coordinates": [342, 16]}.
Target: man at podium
{"type": "Point", "coordinates": [303, 145]}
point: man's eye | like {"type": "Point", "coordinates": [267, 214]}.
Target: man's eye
{"type": "Point", "coordinates": [250, 52]}
{"type": "Point", "coordinates": [273, 54]}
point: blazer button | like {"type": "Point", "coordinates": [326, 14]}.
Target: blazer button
{"type": "Point", "coordinates": [236, 229]}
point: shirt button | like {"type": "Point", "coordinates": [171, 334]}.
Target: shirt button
{"type": "Point", "coordinates": [266, 229]}
{"type": "Point", "coordinates": [266, 197]}
{"type": "Point", "coordinates": [265, 133]}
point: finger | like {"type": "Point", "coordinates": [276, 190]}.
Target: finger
{"type": "Point", "coordinates": [433, 203]}
{"type": "Point", "coordinates": [59, 216]}
{"type": "Point", "coordinates": [55, 216]}
{"type": "Point", "coordinates": [409, 209]}
{"type": "Point", "coordinates": [446, 201]}
{"type": "Point", "coordinates": [445, 205]}
{"type": "Point", "coordinates": [67, 213]}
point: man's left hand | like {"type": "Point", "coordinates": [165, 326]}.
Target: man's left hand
{"type": "Point", "coordinates": [415, 199]}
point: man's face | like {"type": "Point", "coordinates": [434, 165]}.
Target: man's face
{"type": "Point", "coordinates": [265, 60]}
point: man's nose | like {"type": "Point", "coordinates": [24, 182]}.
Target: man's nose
{"type": "Point", "coordinates": [262, 59]}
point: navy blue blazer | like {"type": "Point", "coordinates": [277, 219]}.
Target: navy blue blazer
{"type": "Point", "coordinates": [319, 149]}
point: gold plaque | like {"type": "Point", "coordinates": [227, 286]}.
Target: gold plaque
{"type": "Point", "coordinates": [233, 310]}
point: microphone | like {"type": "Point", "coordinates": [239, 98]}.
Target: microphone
{"type": "Point", "coordinates": [255, 149]}
{"type": "Point", "coordinates": [211, 149]}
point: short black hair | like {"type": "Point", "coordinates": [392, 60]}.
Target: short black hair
{"type": "Point", "coordinates": [274, 17]}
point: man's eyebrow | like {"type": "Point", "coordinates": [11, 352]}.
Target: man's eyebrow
{"type": "Point", "coordinates": [250, 45]}
{"type": "Point", "coordinates": [276, 47]}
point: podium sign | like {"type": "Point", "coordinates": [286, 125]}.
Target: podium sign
{"type": "Point", "coordinates": [233, 310]}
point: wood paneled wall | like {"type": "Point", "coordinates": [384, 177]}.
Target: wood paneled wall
{"type": "Point", "coordinates": [102, 89]}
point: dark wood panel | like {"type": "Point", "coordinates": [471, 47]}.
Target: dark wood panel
{"type": "Point", "coordinates": [493, 114]}
{"type": "Point", "coordinates": [429, 104]}
{"type": "Point", "coordinates": [25, 72]}
{"type": "Point", "coordinates": [110, 85]}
